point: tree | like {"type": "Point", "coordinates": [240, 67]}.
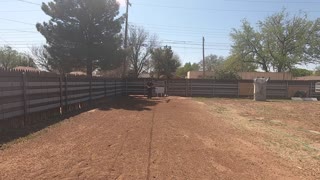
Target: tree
{"type": "Point", "coordinates": [298, 72]}
{"type": "Point", "coordinates": [164, 62]}
{"type": "Point", "coordinates": [317, 71]}
{"type": "Point", "coordinates": [45, 62]}
{"type": "Point", "coordinates": [10, 58]}
{"type": "Point", "coordinates": [83, 33]}
{"type": "Point", "coordinates": [280, 42]}
{"type": "Point", "coordinates": [234, 63]}
{"type": "Point", "coordinates": [212, 62]}
{"type": "Point", "coordinates": [141, 46]}
{"type": "Point", "coordinates": [183, 71]}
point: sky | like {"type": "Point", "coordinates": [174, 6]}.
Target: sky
{"type": "Point", "coordinates": [180, 24]}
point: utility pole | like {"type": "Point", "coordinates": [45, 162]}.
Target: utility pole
{"type": "Point", "coordinates": [204, 62]}
{"type": "Point", "coordinates": [126, 37]}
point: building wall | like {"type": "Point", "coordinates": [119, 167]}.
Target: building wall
{"type": "Point", "coordinates": [246, 75]}
{"type": "Point", "coordinates": [198, 74]}
{"type": "Point", "coordinates": [271, 75]}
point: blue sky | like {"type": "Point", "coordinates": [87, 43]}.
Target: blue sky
{"type": "Point", "coordinates": [179, 23]}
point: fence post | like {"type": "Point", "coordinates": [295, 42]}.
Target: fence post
{"type": "Point", "coordinates": [166, 87]}
{"type": "Point", "coordinates": [311, 89]}
{"type": "Point", "coordinates": [25, 103]}
{"type": "Point", "coordinates": [144, 89]}
{"type": "Point", "coordinates": [90, 91]}
{"type": "Point", "coordinates": [66, 92]}
{"type": "Point", "coordinates": [191, 88]}
{"type": "Point", "coordinates": [115, 87]}
{"type": "Point", "coordinates": [61, 95]}
{"type": "Point", "coordinates": [186, 88]}
{"type": "Point", "coordinates": [213, 83]}
{"type": "Point", "coordinates": [287, 89]}
{"type": "Point", "coordinates": [126, 87]}
{"type": "Point", "coordinates": [238, 88]}
{"type": "Point", "coordinates": [105, 87]}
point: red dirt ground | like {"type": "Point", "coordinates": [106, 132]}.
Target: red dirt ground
{"type": "Point", "coordinates": [172, 138]}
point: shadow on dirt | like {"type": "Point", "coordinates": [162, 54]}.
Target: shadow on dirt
{"type": "Point", "coordinates": [12, 134]}
{"type": "Point", "coordinates": [131, 103]}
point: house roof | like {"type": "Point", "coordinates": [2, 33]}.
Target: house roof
{"type": "Point", "coordinates": [25, 68]}
{"type": "Point", "coordinates": [308, 78]}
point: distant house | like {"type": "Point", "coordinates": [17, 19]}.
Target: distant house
{"type": "Point", "coordinates": [26, 69]}
{"type": "Point", "coordinates": [245, 75]}
{"type": "Point", "coordinates": [145, 75]}
{"type": "Point", "coordinates": [271, 75]}
{"type": "Point", "coordinates": [308, 78]}
{"type": "Point", "coordinates": [78, 73]}
{"type": "Point", "coordinates": [198, 74]}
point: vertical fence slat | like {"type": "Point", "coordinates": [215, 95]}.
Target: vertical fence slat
{"type": "Point", "coordinates": [238, 89]}
{"type": "Point", "coordinates": [105, 87]}
{"type": "Point", "coordinates": [66, 92]}
{"type": "Point", "coordinates": [115, 87]}
{"type": "Point", "coordinates": [126, 87]}
{"type": "Point", "coordinates": [25, 104]}
{"type": "Point", "coordinates": [186, 89]}
{"type": "Point", "coordinates": [311, 89]}
{"type": "Point", "coordinates": [90, 91]}
{"type": "Point", "coordinates": [213, 84]}
{"type": "Point", "coordinates": [287, 89]}
{"type": "Point", "coordinates": [144, 89]}
{"type": "Point", "coordinates": [61, 95]}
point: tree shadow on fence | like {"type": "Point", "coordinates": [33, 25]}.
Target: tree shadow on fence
{"type": "Point", "coordinates": [130, 103]}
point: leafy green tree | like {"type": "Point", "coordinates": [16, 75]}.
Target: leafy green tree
{"type": "Point", "coordinates": [236, 64]}
{"type": "Point", "coordinates": [83, 34]}
{"type": "Point", "coordinates": [317, 71]}
{"type": "Point", "coordinates": [212, 62]}
{"type": "Point", "coordinates": [279, 43]}
{"type": "Point", "coordinates": [165, 63]}
{"type": "Point", "coordinates": [10, 58]}
{"type": "Point", "coordinates": [298, 72]}
{"type": "Point", "coordinates": [141, 45]}
{"type": "Point", "coordinates": [183, 71]}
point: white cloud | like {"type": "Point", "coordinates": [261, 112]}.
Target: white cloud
{"type": "Point", "coordinates": [122, 2]}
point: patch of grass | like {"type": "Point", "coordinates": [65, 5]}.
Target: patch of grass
{"type": "Point", "coordinates": [317, 157]}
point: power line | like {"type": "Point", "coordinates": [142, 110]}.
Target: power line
{"type": "Point", "coordinates": [29, 2]}
{"type": "Point", "coordinates": [208, 9]}
{"type": "Point", "coordinates": [17, 30]}
{"type": "Point", "coordinates": [172, 26]}
{"type": "Point", "coordinates": [11, 20]}
{"type": "Point", "coordinates": [287, 2]}
{"type": "Point", "coordinates": [21, 11]}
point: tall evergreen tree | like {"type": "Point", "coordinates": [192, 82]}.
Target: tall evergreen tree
{"type": "Point", "coordinates": [83, 33]}
{"type": "Point", "coordinates": [165, 62]}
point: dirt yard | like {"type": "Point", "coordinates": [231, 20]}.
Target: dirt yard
{"type": "Point", "coordinates": [174, 138]}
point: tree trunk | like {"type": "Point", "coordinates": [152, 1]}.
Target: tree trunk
{"type": "Point", "coordinates": [89, 67]}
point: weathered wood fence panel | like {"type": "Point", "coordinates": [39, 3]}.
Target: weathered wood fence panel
{"type": "Point", "coordinates": [30, 95]}
{"type": "Point", "coordinates": [25, 96]}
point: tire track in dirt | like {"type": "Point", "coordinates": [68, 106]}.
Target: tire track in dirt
{"type": "Point", "coordinates": [150, 144]}
{"type": "Point", "coordinates": [119, 152]}
{"type": "Point", "coordinates": [143, 139]}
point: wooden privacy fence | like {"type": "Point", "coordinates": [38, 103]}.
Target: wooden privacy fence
{"type": "Point", "coordinates": [28, 96]}
{"type": "Point", "coordinates": [222, 88]}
